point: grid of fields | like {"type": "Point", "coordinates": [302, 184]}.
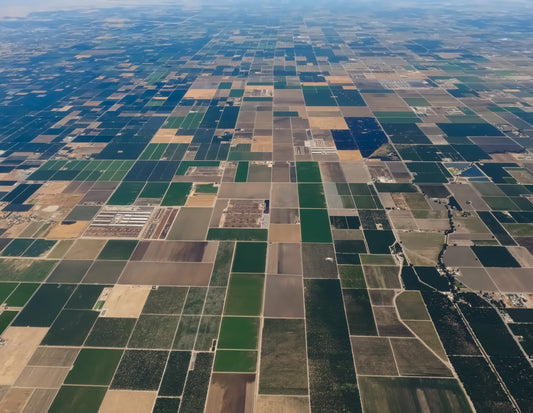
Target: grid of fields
{"type": "Point", "coordinates": [300, 212]}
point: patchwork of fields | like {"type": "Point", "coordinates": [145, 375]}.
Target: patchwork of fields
{"type": "Point", "coordinates": [266, 209]}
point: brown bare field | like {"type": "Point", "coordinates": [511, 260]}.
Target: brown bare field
{"type": "Point", "coordinates": [386, 102]}
{"type": "Point", "coordinates": [40, 401]}
{"type": "Point", "coordinates": [161, 273]}
{"type": "Point", "coordinates": [85, 249]}
{"type": "Point", "coordinates": [20, 344]}
{"type": "Point", "coordinates": [422, 248]}
{"type": "Point", "coordinates": [231, 392]}
{"type": "Point", "coordinates": [356, 111]}
{"type": "Point", "coordinates": [280, 172]}
{"type": "Point", "coordinates": [460, 256]}
{"type": "Point", "coordinates": [128, 401]}
{"type": "Point", "coordinates": [190, 224]}
{"type": "Point", "coordinates": [382, 297]}
{"type": "Point", "coordinates": [281, 404]}
{"type": "Point", "coordinates": [388, 323]}
{"type": "Point", "coordinates": [522, 255]}
{"type": "Point", "coordinates": [284, 258]}
{"type": "Point", "coordinates": [98, 197]}
{"type": "Point", "coordinates": [284, 296]}
{"type": "Point", "coordinates": [426, 332]}
{"type": "Point", "coordinates": [126, 301]}
{"type": "Point", "coordinates": [327, 122]}
{"type": "Point", "coordinates": [244, 190]}
{"type": "Point", "coordinates": [332, 172]}
{"type": "Point", "coordinates": [319, 260]}
{"type": "Point", "coordinates": [54, 356]}
{"type": "Point", "coordinates": [14, 400]}
{"type": "Point", "coordinates": [284, 233]}
{"type": "Point", "coordinates": [402, 220]}
{"type": "Point", "coordinates": [415, 359]}
{"type": "Point", "coordinates": [350, 155]}
{"type": "Point", "coordinates": [164, 135]}
{"type": "Point", "coordinates": [340, 80]}
{"type": "Point", "coordinates": [378, 276]}
{"type": "Point", "coordinates": [201, 200]}
{"type": "Point", "coordinates": [284, 195]}
{"type": "Point", "coordinates": [262, 144]}
{"type": "Point", "coordinates": [288, 97]}
{"type": "Point", "coordinates": [67, 231]}
{"type": "Point", "coordinates": [200, 94]}
{"type": "Point", "coordinates": [411, 306]}
{"type": "Point", "coordinates": [477, 279]}
{"type": "Point", "coordinates": [373, 356]}
{"type": "Point", "coordinates": [467, 197]}
{"type": "Point", "coordinates": [284, 216]}
{"type": "Point", "coordinates": [516, 280]}
{"type": "Point", "coordinates": [42, 377]}
{"type": "Point", "coordinates": [355, 172]}
{"type": "Point", "coordinates": [175, 251]}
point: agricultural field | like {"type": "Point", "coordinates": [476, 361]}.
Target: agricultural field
{"type": "Point", "coordinates": [243, 207]}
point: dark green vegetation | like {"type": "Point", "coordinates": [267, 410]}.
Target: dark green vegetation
{"type": "Point", "coordinates": [283, 358]}
{"type": "Point", "coordinates": [238, 333]}
{"type": "Point", "coordinates": [495, 256]}
{"type": "Point", "coordinates": [175, 373]}
{"type": "Point", "coordinates": [250, 257]}
{"type": "Point", "coordinates": [83, 399]}
{"type": "Point", "coordinates": [70, 328]}
{"type": "Point", "coordinates": [140, 370]}
{"type": "Point", "coordinates": [332, 381]}
{"type": "Point", "coordinates": [359, 312]}
{"type": "Point", "coordinates": [110, 332]}
{"type": "Point", "coordinates": [117, 250]}
{"type": "Point", "coordinates": [315, 225]}
{"type": "Point", "coordinates": [94, 367]}
{"type": "Point", "coordinates": [245, 295]}
{"type": "Point", "coordinates": [44, 306]}
{"type": "Point", "coordinates": [403, 394]}
{"type": "Point", "coordinates": [235, 361]}
{"type": "Point", "coordinates": [197, 383]}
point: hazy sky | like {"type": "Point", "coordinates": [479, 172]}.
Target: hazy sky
{"type": "Point", "coordinates": [18, 8]}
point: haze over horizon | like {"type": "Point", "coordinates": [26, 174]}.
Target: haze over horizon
{"type": "Point", "coordinates": [22, 8]}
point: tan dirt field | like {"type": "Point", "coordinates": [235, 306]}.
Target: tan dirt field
{"type": "Point", "coordinates": [164, 135]}
{"type": "Point", "coordinates": [40, 401]}
{"type": "Point", "coordinates": [350, 155]}
{"type": "Point", "coordinates": [244, 190]}
{"type": "Point", "coordinates": [85, 249]}
{"type": "Point", "coordinates": [200, 94]}
{"type": "Point", "coordinates": [281, 404]}
{"type": "Point", "coordinates": [284, 233]}
{"type": "Point", "coordinates": [126, 300]}
{"type": "Point", "coordinates": [340, 80]}
{"type": "Point", "coordinates": [201, 200]}
{"type": "Point", "coordinates": [14, 400]}
{"type": "Point", "coordinates": [42, 377]}
{"type": "Point", "coordinates": [284, 195]}
{"type": "Point", "coordinates": [67, 231]}
{"type": "Point", "coordinates": [128, 401]}
{"type": "Point", "coordinates": [21, 342]}
{"type": "Point", "coordinates": [54, 356]}
{"type": "Point", "coordinates": [330, 122]}
{"type": "Point", "coordinates": [262, 144]}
